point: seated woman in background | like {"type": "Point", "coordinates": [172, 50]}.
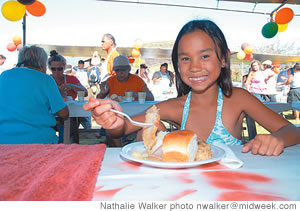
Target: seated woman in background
{"type": "Point", "coordinates": [68, 85]}
{"type": "Point", "coordinates": [29, 101]}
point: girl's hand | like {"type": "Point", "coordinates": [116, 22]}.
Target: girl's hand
{"type": "Point", "coordinates": [101, 112]}
{"type": "Point", "coordinates": [264, 145]}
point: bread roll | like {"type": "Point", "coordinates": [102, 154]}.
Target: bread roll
{"type": "Point", "coordinates": [152, 116]}
{"type": "Point", "coordinates": [180, 146]}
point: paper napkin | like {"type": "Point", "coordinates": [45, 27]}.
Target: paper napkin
{"type": "Point", "coordinates": [230, 160]}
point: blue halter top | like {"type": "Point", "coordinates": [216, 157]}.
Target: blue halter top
{"type": "Point", "coordinates": [219, 132]}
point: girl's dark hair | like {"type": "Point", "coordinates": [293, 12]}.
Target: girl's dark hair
{"type": "Point", "coordinates": [55, 57]}
{"type": "Point", "coordinates": [217, 36]}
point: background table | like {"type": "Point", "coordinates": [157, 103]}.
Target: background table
{"type": "Point", "coordinates": [260, 178]}
{"type": "Point", "coordinates": [134, 108]}
{"type": "Point", "coordinates": [75, 110]}
{"type": "Point", "coordinates": [274, 106]}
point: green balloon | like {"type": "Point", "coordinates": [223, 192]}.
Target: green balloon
{"type": "Point", "coordinates": [269, 30]}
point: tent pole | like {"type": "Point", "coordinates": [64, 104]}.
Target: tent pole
{"type": "Point", "coordinates": [24, 30]}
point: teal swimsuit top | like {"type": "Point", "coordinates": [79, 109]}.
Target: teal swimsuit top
{"type": "Point", "coordinates": [219, 132]}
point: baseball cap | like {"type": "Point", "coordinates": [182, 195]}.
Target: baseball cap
{"type": "Point", "coordinates": [267, 62]}
{"type": "Point", "coordinates": [121, 63]}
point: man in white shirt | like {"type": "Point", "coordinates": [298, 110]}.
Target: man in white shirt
{"type": "Point", "coordinates": [270, 80]}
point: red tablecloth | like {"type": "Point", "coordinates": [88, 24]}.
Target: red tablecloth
{"type": "Point", "coordinates": [49, 172]}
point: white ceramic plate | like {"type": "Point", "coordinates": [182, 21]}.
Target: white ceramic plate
{"type": "Point", "coordinates": [126, 153]}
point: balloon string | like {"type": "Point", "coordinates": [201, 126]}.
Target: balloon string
{"type": "Point", "coordinates": [275, 10]}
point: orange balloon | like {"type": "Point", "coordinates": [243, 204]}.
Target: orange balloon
{"type": "Point", "coordinates": [284, 16]}
{"type": "Point", "coordinates": [249, 57]}
{"type": "Point", "coordinates": [36, 9]}
{"type": "Point", "coordinates": [276, 70]}
{"type": "Point", "coordinates": [17, 40]}
{"type": "Point", "coordinates": [135, 53]}
{"type": "Point", "coordinates": [131, 60]}
{"type": "Point", "coordinates": [11, 47]}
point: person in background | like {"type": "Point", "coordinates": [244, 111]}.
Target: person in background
{"type": "Point", "coordinates": [256, 83]}
{"type": "Point", "coordinates": [29, 101]}
{"type": "Point", "coordinates": [109, 45]}
{"type": "Point", "coordinates": [2, 61]}
{"type": "Point", "coordinates": [120, 83]}
{"type": "Point", "coordinates": [68, 85]}
{"type": "Point", "coordinates": [162, 81]}
{"type": "Point", "coordinates": [270, 79]}
{"type": "Point", "coordinates": [94, 74]}
{"type": "Point", "coordinates": [143, 73]}
{"type": "Point", "coordinates": [124, 81]}
{"type": "Point", "coordinates": [294, 93]}
{"type": "Point", "coordinates": [207, 103]}
{"type": "Point", "coordinates": [80, 66]}
{"type": "Point", "coordinates": [281, 85]}
{"type": "Point", "coordinates": [81, 73]}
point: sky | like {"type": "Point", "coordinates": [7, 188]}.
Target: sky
{"type": "Point", "coordinates": [83, 22]}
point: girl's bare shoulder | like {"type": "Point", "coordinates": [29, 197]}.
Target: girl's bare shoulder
{"type": "Point", "coordinates": [171, 107]}
{"type": "Point", "coordinates": [241, 97]}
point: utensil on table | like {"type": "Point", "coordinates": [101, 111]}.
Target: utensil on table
{"type": "Point", "coordinates": [141, 124]}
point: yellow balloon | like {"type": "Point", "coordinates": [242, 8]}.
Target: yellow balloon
{"type": "Point", "coordinates": [248, 50]}
{"type": "Point", "coordinates": [241, 55]}
{"type": "Point", "coordinates": [13, 10]}
{"type": "Point", "coordinates": [17, 40]}
{"type": "Point", "coordinates": [282, 27]}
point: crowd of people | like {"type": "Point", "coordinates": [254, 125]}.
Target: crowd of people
{"type": "Point", "coordinates": [269, 86]}
{"type": "Point", "coordinates": [205, 102]}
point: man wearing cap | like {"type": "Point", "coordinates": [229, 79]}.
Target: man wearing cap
{"type": "Point", "coordinates": [123, 81]}
{"type": "Point", "coordinates": [108, 45]}
{"type": "Point", "coordinates": [120, 83]}
{"type": "Point", "coordinates": [270, 81]}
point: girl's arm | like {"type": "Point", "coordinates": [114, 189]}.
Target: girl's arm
{"type": "Point", "coordinates": [282, 132]}
{"type": "Point", "coordinates": [116, 125]}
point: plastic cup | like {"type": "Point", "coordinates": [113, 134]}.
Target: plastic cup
{"type": "Point", "coordinates": [142, 97]}
{"type": "Point", "coordinates": [80, 95]}
{"type": "Point", "coordinates": [129, 96]}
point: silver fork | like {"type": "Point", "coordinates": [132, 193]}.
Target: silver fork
{"type": "Point", "coordinates": [141, 124]}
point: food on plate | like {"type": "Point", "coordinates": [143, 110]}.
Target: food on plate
{"type": "Point", "coordinates": [204, 151]}
{"type": "Point", "coordinates": [180, 146]}
{"type": "Point", "coordinates": [176, 146]}
{"type": "Point", "coordinates": [149, 133]}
